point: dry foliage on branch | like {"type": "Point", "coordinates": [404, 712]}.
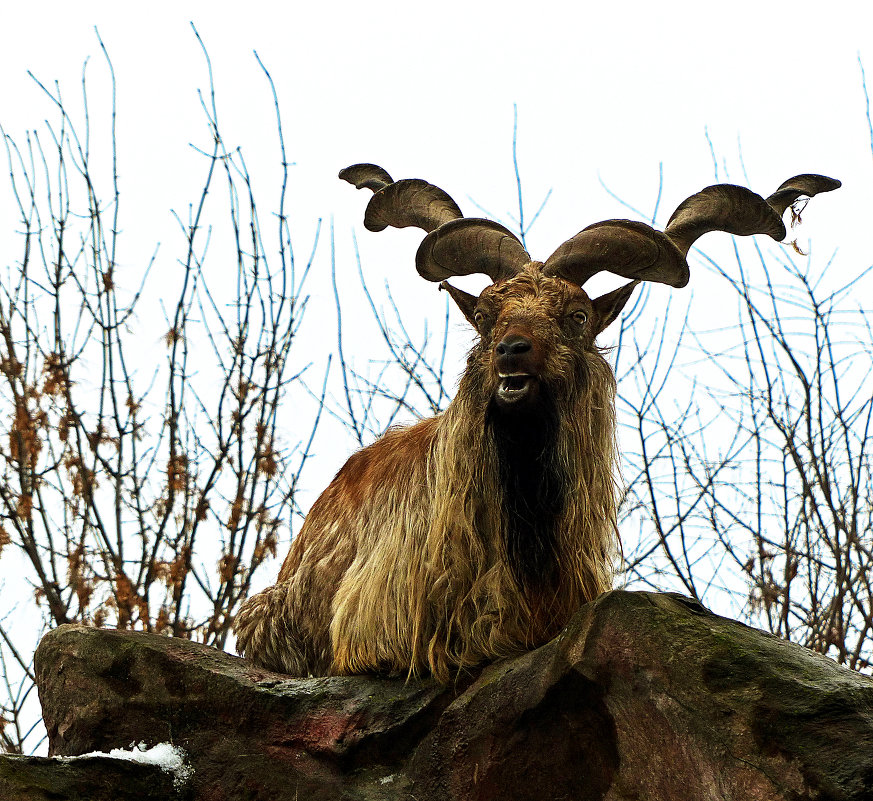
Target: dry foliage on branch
{"type": "Point", "coordinates": [140, 497]}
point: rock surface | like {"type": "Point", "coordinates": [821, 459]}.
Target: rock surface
{"type": "Point", "coordinates": [643, 697]}
{"type": "Point", "coordinates": [28, 778]}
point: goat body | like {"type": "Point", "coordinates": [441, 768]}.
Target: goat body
{"type": "Point", "coordinates": [476, 534]}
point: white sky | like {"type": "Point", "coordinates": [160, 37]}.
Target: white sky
{"type": "Point", "coordinates": [603, 91]}
{"type": "Point", "coordinates": [609, 88]}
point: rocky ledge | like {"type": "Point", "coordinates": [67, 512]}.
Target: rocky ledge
{"type": "Point", "coordinates": [643, 696]}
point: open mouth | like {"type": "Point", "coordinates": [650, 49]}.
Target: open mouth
{"type": "Point", "coordinates": [514, 387]}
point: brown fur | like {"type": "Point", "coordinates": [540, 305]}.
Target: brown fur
{"type": "Point", "coordinates": [403, 564]}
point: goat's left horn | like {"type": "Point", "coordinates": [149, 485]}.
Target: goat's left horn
{"type": "Point", "coordinates": [635, 250]}
{"type": "Point", "coordinates": [799, 185]}
{"type": "Point", "coordinates": [410, 202]}
{"type": "Point", "coordinates": [739, 211]}
{"type": "Point", "coordinates": [623, 247]}
{"type": "Point", "coordinates": [469, 246]}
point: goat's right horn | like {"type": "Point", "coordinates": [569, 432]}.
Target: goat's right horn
{"type": "Point", "coordinates": [366, 176]}
{"type": "Point", "coordinates": [469, 246]}
{"type": "Point", "coordinates": [410, 202]}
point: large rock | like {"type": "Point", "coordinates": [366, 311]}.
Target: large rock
{"type": "Point", "coordinates": [30, 778]}
{"type": "Point", "coordinates": [643, 696]}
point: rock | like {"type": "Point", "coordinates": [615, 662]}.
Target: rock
{"type": "Point", "coordinates": [26, 778]}
{"type": "Point", "coordinates": [249, 733]}
{"type": "Point", "coordinates": [643, 696]}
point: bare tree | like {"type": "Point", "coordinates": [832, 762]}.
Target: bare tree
{"type": "Point", "coordinates": [138, 497]}
{"type": "Point", "coordinates": [409, 379]}
{"type": "Point", "coordinates": [761, 485]}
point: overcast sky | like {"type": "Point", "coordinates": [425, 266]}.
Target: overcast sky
{"type": "Point", "coordinates": [605, 92]}
{"type": "Point", "coordinates": [612, 89]}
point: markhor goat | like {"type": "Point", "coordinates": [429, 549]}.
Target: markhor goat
{"type": "Point", "coordinates": [476, 534]}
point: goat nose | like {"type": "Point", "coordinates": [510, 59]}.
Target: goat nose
{"type": "Point", "coordinates": [513, 345]}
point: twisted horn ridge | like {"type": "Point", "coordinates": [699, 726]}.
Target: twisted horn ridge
{"type": "Point", "coordinates": [469, 246]}
{"type": "Point", "coordinates": [454, 246]}
{"type": "Point", "coordinates": [366, 176]}
{"type": "Point", "coordinates": [635, 250]}
{"type": "Point", "coordinates": [739, 211]}
{"type": "Point", "coordinates": [793, 188]}
{"type": "Point", "coordinates": [623, 247]}
{"type": "Point", "coordinates": [723, 207]}
{"type": "Point", "coordinates": [411, 202]}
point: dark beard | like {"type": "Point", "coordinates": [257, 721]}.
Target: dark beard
{"type": "Point", "coordinates": [533, 490]}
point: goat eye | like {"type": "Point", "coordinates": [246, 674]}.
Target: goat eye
{"type": "Point", "coordinates": [580, 317]}
{"type": "Point", "coordinates": [479, 319]}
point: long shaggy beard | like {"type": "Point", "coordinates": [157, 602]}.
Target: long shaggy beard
{"type": "Point", "coordinates": [522, 523]}
{"type": "Point", "coordinates": [533, 490]}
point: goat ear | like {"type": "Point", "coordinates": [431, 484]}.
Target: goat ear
{"type": "Point", "coordinates": [464, 300]}
{"type": "Point", "coordinates": [607, 307]}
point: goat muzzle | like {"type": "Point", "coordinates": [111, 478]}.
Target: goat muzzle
{"type": "Point", "coordinates": [516, 389]}
{"type": "Point", "coordinates": [518, 368]}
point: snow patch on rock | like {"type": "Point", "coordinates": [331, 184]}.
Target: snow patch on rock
{"type": "Point", "coordinates": [169, 758]}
